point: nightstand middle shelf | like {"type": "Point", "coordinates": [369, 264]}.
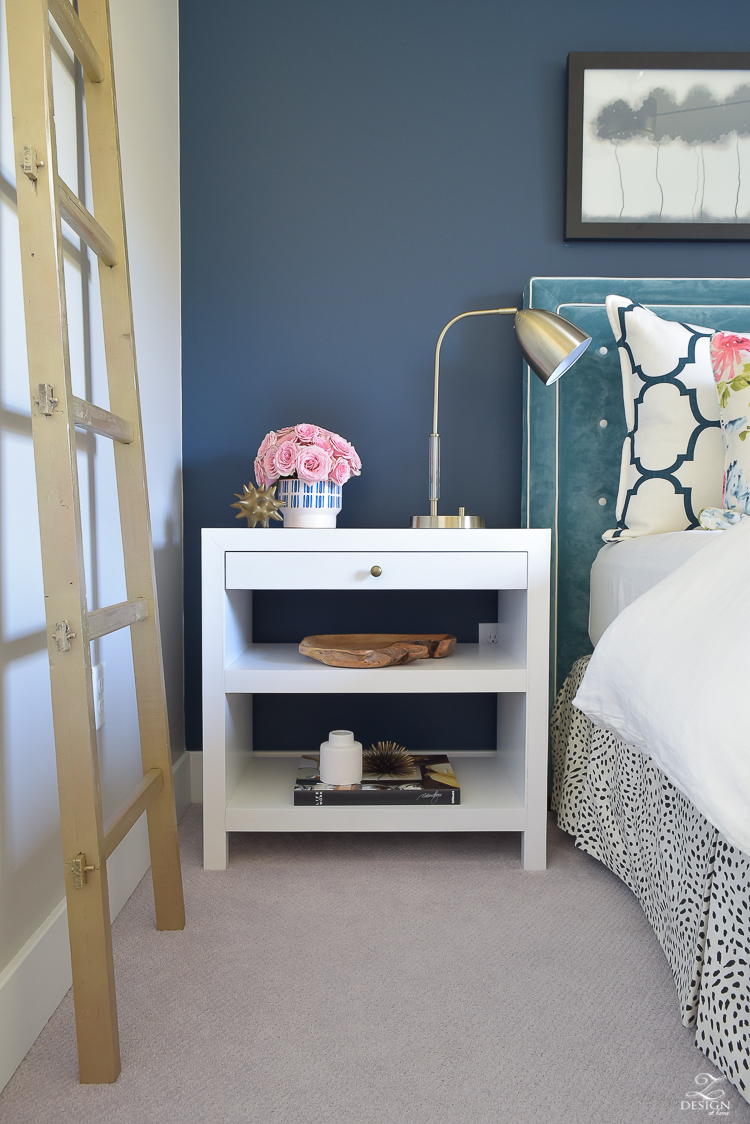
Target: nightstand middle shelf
{"type": "Point", "coordinates": [473, 668]}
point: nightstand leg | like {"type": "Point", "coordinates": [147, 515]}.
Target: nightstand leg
{"type": "Point", "coordinates": [534, 847]}
{"type": "Point", "coordinates": [215, 848]}
{"type": "Point", "coordinates": [215, 838]}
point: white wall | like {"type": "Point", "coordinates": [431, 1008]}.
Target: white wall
{"type": "Point", "coordinates": [32, 922]}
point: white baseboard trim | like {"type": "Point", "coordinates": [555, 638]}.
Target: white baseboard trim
{"type": "Point", "coordinates": [31, 987]}
{"type": "Point", "coordinates": [37, 978]}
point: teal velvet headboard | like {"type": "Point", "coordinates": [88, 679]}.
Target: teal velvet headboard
{"type": "Point", "coordinates": [570, 461]}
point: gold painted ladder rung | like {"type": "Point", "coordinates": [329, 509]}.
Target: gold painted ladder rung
{"type": "Point", "coordinates": [85, 415]}
{"type": "Point", "coordinates": [96, 420]}
{"type": "Point", "coordinates": [131, 809]}
{"type": "Point", "coordinates": [77, 38]}
{"type": "Point", "coordinates": [44, 200]}
{"type": "Point", "coordinates": [100, 622]}
{"type": "Point", "coordinates": [84, 223]}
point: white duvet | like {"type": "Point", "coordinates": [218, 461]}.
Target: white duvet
{"type": "Point", "coordinates": [671, 676]}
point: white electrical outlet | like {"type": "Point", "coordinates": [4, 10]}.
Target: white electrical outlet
{"type": "Point", "coordinates": [97, 674]}
{"type": "Point", "coordinates": [488, 634]}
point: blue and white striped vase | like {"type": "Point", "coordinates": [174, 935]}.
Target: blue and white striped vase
{"type": "Point", "coordinates": [309, 505]}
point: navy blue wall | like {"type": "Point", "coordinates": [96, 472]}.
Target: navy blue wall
{"type": "Point", "coordinates": [354, 174]}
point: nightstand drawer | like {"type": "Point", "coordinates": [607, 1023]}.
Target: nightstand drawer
{"type": "Point", "coordinates": [399, 570]}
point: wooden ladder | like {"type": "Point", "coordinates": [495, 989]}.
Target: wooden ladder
{"type": "Point", "coordinates": [42, 199]}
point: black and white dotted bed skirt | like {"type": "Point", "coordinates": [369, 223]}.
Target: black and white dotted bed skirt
{"type": "Point", "coordinates": [693, 885]}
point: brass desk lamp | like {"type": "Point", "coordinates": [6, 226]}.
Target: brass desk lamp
{"type": "Point", "coordinates": [549, 343]}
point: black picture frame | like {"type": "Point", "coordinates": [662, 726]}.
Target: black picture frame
{"type": "Point", "coordinates": [579, 62]}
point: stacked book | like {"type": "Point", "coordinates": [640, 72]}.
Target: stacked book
{"type": "Point", "coordinates": [431, 780]}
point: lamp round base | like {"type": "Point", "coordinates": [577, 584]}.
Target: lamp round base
{"type": "Point", "coordinates": [448, 522]}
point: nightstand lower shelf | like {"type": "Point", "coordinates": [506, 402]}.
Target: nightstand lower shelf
{"type": "Point", "coordinates": [263, 801]}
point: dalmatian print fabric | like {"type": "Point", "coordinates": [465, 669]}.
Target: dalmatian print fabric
{"type": "Point", "coordinates": [723, 1030]}
{"type": "Point", "coordinates": [692, 885]}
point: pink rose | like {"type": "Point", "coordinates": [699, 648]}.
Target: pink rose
{"type": "Point", "coordinates": [269, 465]}
{"type": "Point", "coordinates": [313, 463]}
{"type": "Point", "coordinates": [343, 448]}
{"type": "Point", "coordinates": [260, 476]}
{"type": "Point", "coordinates": [285, 460]}
{"type": "Point", "coordinates": [268, 441]}
{"type": "Point", "coordinates": [340, 472]}
{"type": "Point", "coordinates": [340, 447]}
{"type": "Point", "coordinates": [307, 434]}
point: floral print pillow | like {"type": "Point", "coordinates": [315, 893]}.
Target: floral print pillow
{"type": "Point", "coordinates": [730, 360]}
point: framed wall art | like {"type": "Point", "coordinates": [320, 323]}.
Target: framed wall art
{"type": "Point", "coordinates": [658, 146]}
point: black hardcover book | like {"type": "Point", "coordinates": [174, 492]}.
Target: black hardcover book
{"type": "Point", "coordinates": [431, 781]}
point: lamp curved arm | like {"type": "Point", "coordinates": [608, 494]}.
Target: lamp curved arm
{"type": "Point", "coordinates": [435, 436]}
{"type": "Point", "coordinates": [462, 316]}
{"type": "Point", "coordinates": [550, 344]}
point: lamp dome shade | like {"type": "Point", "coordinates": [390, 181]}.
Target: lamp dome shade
{"type": "Point", "coordinates": [550, 343]}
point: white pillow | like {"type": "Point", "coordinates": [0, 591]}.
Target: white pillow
{"type": "Point", "coordinates": [673, 455]}
{"type": "Point", "coordinates": [667, 676]}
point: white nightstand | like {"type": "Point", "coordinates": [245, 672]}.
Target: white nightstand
{"type": "Point", "coordinates": [505, 790]}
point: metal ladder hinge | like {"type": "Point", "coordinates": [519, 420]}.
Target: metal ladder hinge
{"type": "Point", "coordinates": [80, 871]}
{"type": "Point", "coordinates": [63, 636]}
{"type": "Point", "coordinates": [30, 162]}
{"type": "Point", "coordinates": [46, 400]}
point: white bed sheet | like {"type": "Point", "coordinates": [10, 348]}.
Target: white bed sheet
{"type": "Point", "coordinates": [624, 570]}
{"type": "Point", "coordinates": [667, 677]}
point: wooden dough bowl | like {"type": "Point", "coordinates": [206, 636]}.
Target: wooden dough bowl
{"type": "Point", "coordinates": [377, 649]}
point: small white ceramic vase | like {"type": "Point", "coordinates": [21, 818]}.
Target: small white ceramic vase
{"type": "Point", "coordinates": [341, 759]}
{"type": "Point", "coordinates": [309, 505]}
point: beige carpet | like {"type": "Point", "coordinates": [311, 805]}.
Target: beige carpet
{"type": "Point", "coordinates": [393, 979]}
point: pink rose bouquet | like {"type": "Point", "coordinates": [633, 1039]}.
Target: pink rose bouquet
{"type": "Point", "coordinates": [308, 452]}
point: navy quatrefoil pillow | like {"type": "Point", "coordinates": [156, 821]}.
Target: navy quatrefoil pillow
{"type": "Point", "coordinates": [673, 455]}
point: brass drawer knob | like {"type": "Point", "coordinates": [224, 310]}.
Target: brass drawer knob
{"type": "Point", "coordinates": [376, 571]}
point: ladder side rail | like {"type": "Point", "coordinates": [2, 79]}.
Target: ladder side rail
{"type": "Point", "coordinates": [61, 540]}
{"type": "Point", "coordinates": [117, 316]}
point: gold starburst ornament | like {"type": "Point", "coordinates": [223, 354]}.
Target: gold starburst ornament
{"type": "Point", "coordinates": [258, 505]}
